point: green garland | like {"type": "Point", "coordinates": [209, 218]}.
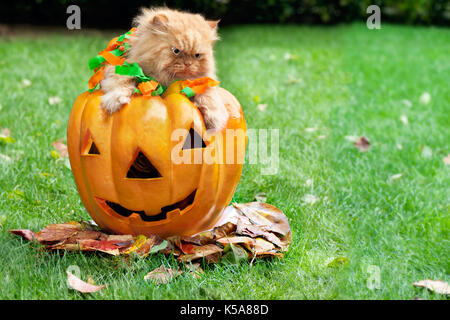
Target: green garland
{"type": "Point", "coordinates": [126, 69]}
{"type": "Point", "coordinates": [135, 70]}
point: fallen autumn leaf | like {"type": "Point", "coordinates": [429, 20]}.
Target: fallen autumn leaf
{"type": "Point", "coordinates": [61, 148]}
{"type": "Point", "coordinates": [258, 229]}
{"type": "Point", "coordinates": [437, 286]}
{"type": "Point", "coordinates": [162, 275]}
{"type": "Point", "coordinates": [80, 285]}
{"type": "Point", "coordinates": [363, 144]}
{"type": "Point", "coordinates": [24, 233]}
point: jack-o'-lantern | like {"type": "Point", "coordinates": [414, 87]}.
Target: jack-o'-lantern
{"type": "Point", "coordinates": [127, 165]}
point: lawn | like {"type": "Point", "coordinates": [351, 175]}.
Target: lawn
{"type": "Point", "coordinates": [321, 85]}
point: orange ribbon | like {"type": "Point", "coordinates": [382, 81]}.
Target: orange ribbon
{"type": "Point", "coordinates": [147, 87]}
{"type": "Point", "coordinates": [200, 85]}
{"type": "Point", "coordinates": [96, 78]}
{"type": "Point", "coordinates": [112, 59]}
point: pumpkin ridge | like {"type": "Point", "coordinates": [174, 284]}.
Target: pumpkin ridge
{"type": "Point", "coordinates": [89, 97]}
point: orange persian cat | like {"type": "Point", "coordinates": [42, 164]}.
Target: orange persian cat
{"type": "Point", "coordinates": [169, 45]}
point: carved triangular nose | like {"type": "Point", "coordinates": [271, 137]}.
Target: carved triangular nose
{"type": "Point", "coordinates": [142, 168]}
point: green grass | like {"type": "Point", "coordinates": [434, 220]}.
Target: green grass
{"type": "Point", "coordinates": [350, 81]}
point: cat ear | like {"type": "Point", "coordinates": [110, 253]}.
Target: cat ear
{"type": "Point", "coordinates": [213, 24]}
{"type": "Point", "coordinates": [159, 22]}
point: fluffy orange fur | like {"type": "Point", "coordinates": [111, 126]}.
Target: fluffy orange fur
{"type": "Point", "coordinates": [169, 45]}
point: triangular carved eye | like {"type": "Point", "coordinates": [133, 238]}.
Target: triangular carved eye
{"type": "Point", "coordinates": [89, 146]}
{"type": "Point", "coordinates": [193, 140]}
{"type": "Point", "coordinates": [142, 168]}
{"type": "Point", "coordinates": [93, 149]}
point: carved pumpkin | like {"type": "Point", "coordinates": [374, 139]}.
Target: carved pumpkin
{"type": "Point", "coordinates": [124, 169]}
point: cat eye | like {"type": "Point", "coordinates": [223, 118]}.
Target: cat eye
{"type": "Point", "coordinates": [175, 51]}
{"type": "Point", "coordinates": [198, 55]}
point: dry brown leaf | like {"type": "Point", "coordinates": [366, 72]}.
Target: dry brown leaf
{"type": "Point", "coordinates": [224, 230]}
{"type": "Point", "coordinates": [124, 241]}
{"type": "Point", "coordinates": [362, 143]}
{"type": "Point", "coordinates": [162, 275]}
{"type": "Point", "coordinates": [79, 285]}
{"type": "Point", "coordinates": [200, 239]}
{"type": "Point", "coordinates": [185, 247]}
{"type": "Point", "coordinates": [108, 247]}
{"type": "Point", "coordinates": [85, 235]}
{"type": "Point", "coordinates": [285, 242]}
{"type": "Point", "coordinates": [437, 286]}
{"type": "Point", "coordinates": [213, 258]}
{"type": "Point", "coordinates": [236, 240]}
{"type": "Point", "coordinates": [201, 251]}
{"type": "Point", "coordinates": [262, 246]}
{"type": "Point", "coordinates": [61, 148]}
{"type": "Point", "coordinates": [58, 232]}
{"type": "Point", "coordinates": [25, 233]}
{"type": "Point", "coordinates": [119, 237]}
{"type": "Point", "coordinates": [264, 214]}
{"type": "Point", "coordinates": [269, 254]}
{"type": "Point", "coordinates": [65, 246]}
{"type": "Point", "coordinates": [244, 227]}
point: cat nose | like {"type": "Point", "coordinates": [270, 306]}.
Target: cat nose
{"type": "Point", "coordinates": [187, 63]}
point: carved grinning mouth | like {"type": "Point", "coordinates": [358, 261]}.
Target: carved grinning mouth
{"type": "Point", "coordinates": [125, 212]}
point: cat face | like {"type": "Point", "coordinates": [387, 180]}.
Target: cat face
{"type": "Point", "coordinates": [173, 45]}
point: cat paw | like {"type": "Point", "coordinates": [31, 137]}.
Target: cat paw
{"type": "Point", "coordinates": [215, 120]}
{"type": "Point", "coordinates": [114, 100]}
